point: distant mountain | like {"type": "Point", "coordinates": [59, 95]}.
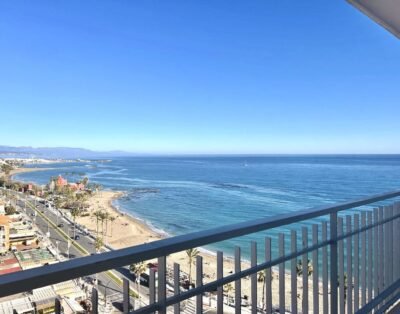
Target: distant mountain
{"type": "Point", "coordinates": [56, 152]}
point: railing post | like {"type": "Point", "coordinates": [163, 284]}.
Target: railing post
{"type": "Point", "coordinates": [57, 306]}
{"type": "Point", "coordinates": [220, 275]}
{"type": "Point", "coordinates": [325, 302]}
{"type": "Point", "coordinates": [370, 260]}
{"type": "Point", "coordinates": [376, 254]}
{"type": "Point", "coordinates": [152, 286]}
{"type": "Point", "coordinates": [268, 277]}
{"type": "Point", "coordinates": [342, 304]}
{"type": "Point", "coordinates": [162, 284]}
{"type": "Point", "coordinates": [315, 274]}
{"type": "Point", "coordinates": [293, 273]}
{"type": "Point", "coordinates": [349, 267]}
{"type": "Point", "coordinates": [199, 283]}
{"type": "Point", "coordinates": [95, 301]}
{"type": "Point", "coordinates": [356, 258]}
{"type": "Point", "coordinates": [396, 243]}
{"type": "Point", "coordinates": [125, 288]}
{"type": "Point", "coordinates": [304, 305]}
{"type": "Point", "coordinates": [238, 284]}
{"type": "Point", "coordinates": [253, 278]}
{"type": "Point", "coordinates": [282, 291]}
{"type": "Point", "coordinates": [363, 259]}
{"type": "Point", "coordinates": [177, 291]}
{"type": "Point", "coordinates": [333, 262]}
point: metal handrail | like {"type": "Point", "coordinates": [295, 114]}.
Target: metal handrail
{"type": "Point", "coordinates": [50, 274]}
{"type": "Point", "coordinates": [211, 286]}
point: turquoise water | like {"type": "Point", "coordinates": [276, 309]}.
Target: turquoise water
{"type": "Point", "coordinates": [185, 194]}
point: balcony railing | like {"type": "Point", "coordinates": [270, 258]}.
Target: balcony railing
{"type": "Point", "coordinates": [355, 253]}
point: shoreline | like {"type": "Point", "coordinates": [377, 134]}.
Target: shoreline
{"type": "Point", "coordinates": [20, 170]}
{"type": "Point", "coordinates": [127, 230]}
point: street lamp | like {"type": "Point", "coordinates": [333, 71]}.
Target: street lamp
{"type": "Point", "coordinates": [57, 242]}
{"type": "Point", "coordinates": [68, 245]}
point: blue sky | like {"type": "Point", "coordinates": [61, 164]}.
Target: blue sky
{"type": "Point", "coordinates": [198, 77]}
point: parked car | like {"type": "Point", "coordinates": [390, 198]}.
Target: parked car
{"type": "Point", "coordinates": [77, 237]}
{"type": "Point", "coordinates": [60, 225]}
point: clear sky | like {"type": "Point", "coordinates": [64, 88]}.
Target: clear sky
{"type": "Point", "coordinates": [206, 76]}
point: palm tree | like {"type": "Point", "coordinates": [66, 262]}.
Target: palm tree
{"type": "Point", "coordinates": [75, 212]}
{"type": "Point", "coordinates": [228, 288]}
{"type": "Point", "coordinates": [261, 278]}
{"type": "Point", "coordinates": [97, 215]}
{"type": "Point", "coordinates": [58, 203]}
{"type": "Point", "coordinates": [299, 268]}
{"type": "Point", "coordinates": [106, 218]}
{"type": "Point", "coordinates": [85, 181]}
{"type": "Point", "coordinates": [102, 218]}
{"type": "Point", "coordinates": [138, 269]}
{"type": "Point", "coordinates": [6, 168]}
{"type": "Point", "coordinates": [191, 253]}
{"type": "Point", "coordinates": [10, 210]}
{"type": "Point", "coordinates": [98, 244]}
{"type": "Point", "coordinates": [112, 219]}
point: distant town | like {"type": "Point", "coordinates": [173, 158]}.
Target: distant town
{"type": "Point", "coordinates": [30, 238]}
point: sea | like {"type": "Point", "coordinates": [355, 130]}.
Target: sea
{"type": "Point", "coordinates": [176, 195]}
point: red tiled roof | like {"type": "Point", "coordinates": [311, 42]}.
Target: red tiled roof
{"type": "Point", "coordinates": [10, 270]}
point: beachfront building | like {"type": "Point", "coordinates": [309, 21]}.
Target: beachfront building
{"type": "Point", "coordinates": [9, 264]}
{"type": "Point", "coordinates": [4, 234]}
{"type": "Point", "coordinates": [21, 305]}
{"type": "Point", "coordinates": [35, 258]}
{"type": "Point", "coordinates": [21, 237]}
{"type": "Point", "coordinates": [77, 186]}
{"type": "Point", "coordinates": [61, 182]}
{"type": "Point", "coordinates": [22, 234]}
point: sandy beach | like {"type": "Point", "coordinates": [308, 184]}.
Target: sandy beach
{"type": "Point", "coordinates": [25, 169]}
{"type": "Point", "coordinates": [127, 231]}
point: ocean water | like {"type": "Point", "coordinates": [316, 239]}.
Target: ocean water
{"type": "Point", "coordinates": [179, 195]}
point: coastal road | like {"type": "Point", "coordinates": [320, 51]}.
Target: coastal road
{"type": "Point", "coordinates": [106, 283]}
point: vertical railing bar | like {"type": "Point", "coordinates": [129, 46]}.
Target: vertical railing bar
{"type": "Point", "coordinates": [95, 301]}
{"type": "Point", "coordinates": [349, 267]}
{"type": "Point", "coordinates": [152, 286]}
{"type": "Point", "coordinates": [253, 278]}
{"type": "Point", "coordinates": [390, 245]}
{"type": "Point", "coordinates": [396, 242]}
{"type": "Point", "coordinates": [162, 284]}
{"type": "Point", "coordinates": [126, 297]}
{"type": "Point", "coordinates": [282, 291]}
{"type": "Point", "coordinates": [370, 261]}
{"type": "Point", "coordinates": [199, 283]}
{"type": "Point", "coordinates": [363, 259]}
{"type": "Point", "coordinates": [333, 263]}
{"type": "Point", "coordinates": [305, 270]}
{"type": "Point", "coordinates": [381, 252]}
{"type": "Point", "coordinates": [57, 306]}
{"type": "Point", "coordinates": [315, 270]}
{"type": "Point", "coordinates": [341, 267]}
{"type": "Point", "coordinates": [293, 273]}
{"type": "Point", "coordinates": [238, 283]}
{"type": "Point", "coordinates": [177, 291]}
{"type": "Point", "coordinates": [220, 274]}
{"type": "Point", "coordinates": [376, 254]}
{"type": "Point", "coordinates": [268, 277]}
{"type": "Point", "coordinates": [386, 248]}
{"type": "Point", "coordinates": [325, 303]}
{"type": "Point", "coordinates": [356, 263]}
